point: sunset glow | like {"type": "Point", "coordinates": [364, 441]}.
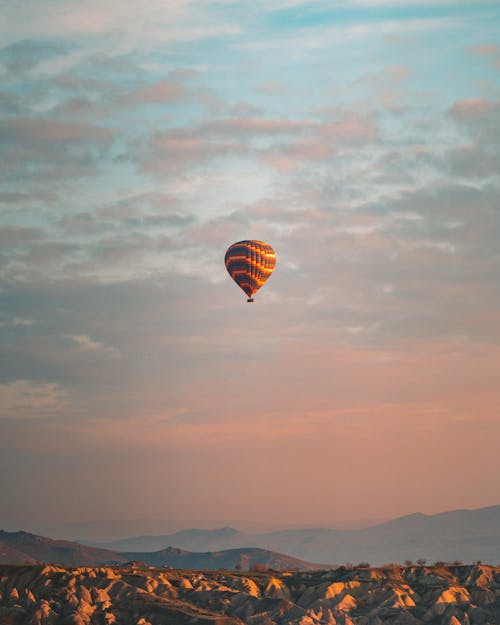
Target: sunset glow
{"type": "Point", "coordinates": [361, 140]}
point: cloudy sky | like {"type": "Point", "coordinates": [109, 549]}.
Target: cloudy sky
{"type": "Point", "coordinates": [361, 139]}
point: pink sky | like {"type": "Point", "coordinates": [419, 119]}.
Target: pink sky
{"type": "Point", "coordinates": [360, 140]}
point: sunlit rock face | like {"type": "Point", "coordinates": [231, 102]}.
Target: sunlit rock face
{"type": "Point", "coordinates": [137, 595]}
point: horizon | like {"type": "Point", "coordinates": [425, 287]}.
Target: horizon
{"type": "Point", "coordinates": [361, 141]}
{"type": "Point", "coordinates": [108, 530]}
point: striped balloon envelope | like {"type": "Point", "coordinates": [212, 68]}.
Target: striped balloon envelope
{"type": "Point", "coordinates": [250, 263]}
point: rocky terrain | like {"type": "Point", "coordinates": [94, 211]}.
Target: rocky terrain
{"type": "Point", "coordinates": [437, 595]}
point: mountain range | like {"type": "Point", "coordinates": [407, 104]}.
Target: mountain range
{"type": "Point", "coordinates": [466, 535]}
{"type": "Point", "coordinates": [26, 548]}
{"type": "Point", "coordinates": [106, 530]}
{"type": "Point", "coordinates": [459, 535]}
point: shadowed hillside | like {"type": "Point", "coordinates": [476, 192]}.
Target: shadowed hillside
{"type": "Point", "coordinates": [25, 548]}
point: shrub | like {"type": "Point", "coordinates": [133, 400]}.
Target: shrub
{"type": "Point", "coordinates": [258, 567]}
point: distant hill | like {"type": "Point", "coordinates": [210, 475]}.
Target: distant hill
{"type": "Point", "coordinates": [23, 547]}
{"type": "Point", "coordinates": [193, 539]}
{"type": "Point", "coordinates": [26, 548]}
{"type": "Point", "coordinates": [244, 559]}
{"type": "Point", "coordinates": [467, 535]}
{"type": "Point", "coordinates": [99, 531]}
{"type": "Point", "coordinates": [10, 555]}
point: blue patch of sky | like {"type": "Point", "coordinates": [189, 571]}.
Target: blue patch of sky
{"type": "Point", "coordinates": [315, 14]}
{"type": "Point", "coordinates": [237, 73]}
{"type": "Point", "coordinates": [236, 66]}
{"type": "Point", "coordinates": [443, 67]}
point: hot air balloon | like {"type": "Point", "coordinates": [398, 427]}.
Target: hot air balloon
{"type": "Point", "coordinates": [250, 263]}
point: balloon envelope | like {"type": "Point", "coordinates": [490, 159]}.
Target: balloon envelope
{"type": "Point", "coordinates": [250, 263]}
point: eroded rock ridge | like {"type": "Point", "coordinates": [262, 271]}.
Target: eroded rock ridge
{"type": "Point", "coordinates": [132, 595]}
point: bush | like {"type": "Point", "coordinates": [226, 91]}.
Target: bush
{"type": "Point", "coordinates": [258, 567]}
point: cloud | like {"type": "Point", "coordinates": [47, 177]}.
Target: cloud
{"type": "Point", "coordinates": [485, 50]}
{"type": "Point", "coordinates": [170, 152]}
{"type": "Point", "coordinates": [56, 148]}
{"type": "Point", "coordinates": [18, 199]}
{"type": "Point", "coordinates": [489, 51]}
{"type": "Point", "coordinates": [160, 92]}
{"type": "Point", "coordinates": [245, 109]}
{"type": "Point", "coordinates": [136, 233]}
{"type": "Point", "coordinates": [288, 157]}
{"type": "Point", "coordinates": [473, 109]}
{"type": "Point", "coordinates": [151, 23]}
{"type": "Point", "coordinates": [80, 107]}
{"type": "Point", "coordinates": [273, 87]}
{"type": "Point", "coordinates": [18, 236]}
{"type": "Point", "coordinates": [254, 126]}
{"type": "Point", "coordinates": [147, 138]}
{"type": "Point", "coordinates": [282, 143]}
{"type": "Point", "coordinates": [40, 131]}
{"type": "Point", "coordinates": [11, 104]}
{"type": "Point", "coordinates": [22, 56]}
{"type": "Point", "coordinates": [384, 78]}
{"type": "Point", "coordinates": [473, 161]}
{"type": "Point", "coordinates": [351, 128]}
{"type": "Point", "coordinates": [479, 120]}
{"type": "Point", "coordinates": [23, 399]}
{"type": "Point", "coordinates": [16, 322]}
{"type": "Point", "coordinates": [86, 343]}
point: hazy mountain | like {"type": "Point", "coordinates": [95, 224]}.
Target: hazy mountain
{"type": "Point", "coordinates": [127, 595]}
{"type": "Point", "coordinates": [467, 535]}
{"type": "Point", "coordinates": [93, 532]}
{"type": "Point", "coordinates": [230, 559]}
{"type": "Point", "coordinates": [22, 547]}
{"type": "Point", "coordinates": [193, 539]}
{"type": "Point", "coordinates": [25, 548]}
{"type": "Point", "coordinates": [99, 531]}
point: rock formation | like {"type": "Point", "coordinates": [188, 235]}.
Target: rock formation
{"type": "Point", "coordinates": [141, 595]}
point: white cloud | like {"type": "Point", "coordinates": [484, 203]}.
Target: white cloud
{"type": "Point", "coordinates": [125, 25]}
{"type": "Point", "coordinates": [88, 344]}
{"type": "Point", "coordinates": [17, 322]}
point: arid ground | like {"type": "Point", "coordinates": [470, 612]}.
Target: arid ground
{"type": "Point", "coordinates": [435, 595]}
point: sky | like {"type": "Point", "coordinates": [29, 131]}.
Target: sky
{"type": "Point", "coordinates": [361, 140]}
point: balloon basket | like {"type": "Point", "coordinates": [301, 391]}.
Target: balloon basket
{"type": "Point", "coordinates": [250, 299]}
